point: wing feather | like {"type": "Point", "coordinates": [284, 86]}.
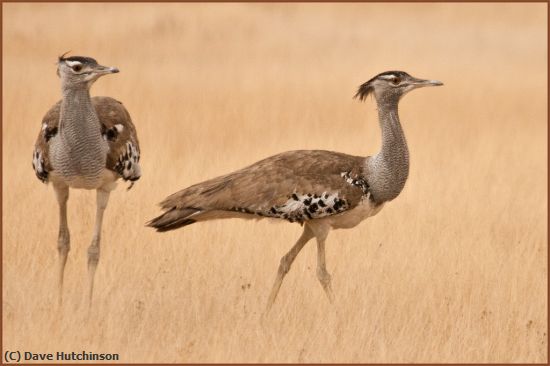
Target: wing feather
{"type": "Point", "coordinates": [295, 185]}
{"type": "Point", "coordinates": [120, 133]}
{"type": "Point", "coordinates": [41, 154]}
{"type": "Point", "coordinates": [117, 129]}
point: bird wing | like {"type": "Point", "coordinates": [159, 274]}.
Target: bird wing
{"type": "Point", "coordinates": [295, 185]}
{"type": "Point", "coordinates": [40, 156]}
{"type": "Point", "coordinates": [116, 128]}
{"type": "Point", "coordinates": [120, 133]}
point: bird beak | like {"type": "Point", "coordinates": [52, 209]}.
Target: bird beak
{"type": "Point", "coordinates": [419, 83]}
{"type": "Point", "coordinates": [103, 70]}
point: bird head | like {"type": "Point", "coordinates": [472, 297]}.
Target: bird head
{"type": "Point", "coordinates": [390, 86]}
{"type": "Point", "coordinates": [79, 71]}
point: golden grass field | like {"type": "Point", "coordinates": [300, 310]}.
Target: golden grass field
{"type": "Point", "coordinates": [453, 270]}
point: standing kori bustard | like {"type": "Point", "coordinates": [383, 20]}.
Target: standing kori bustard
{"type": "Point", "coordinates": [322, 190]}
{"type": "Point", "coordinates": [85, 143]}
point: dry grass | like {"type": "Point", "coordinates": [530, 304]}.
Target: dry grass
{"type": "Point", "coordinates": [454, 269]}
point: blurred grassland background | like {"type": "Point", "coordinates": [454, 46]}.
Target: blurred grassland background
{"type": "Point", "coordinates": [454, 270]}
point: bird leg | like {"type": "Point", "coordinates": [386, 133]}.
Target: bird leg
{"type": "Point", "coordinates": [93, 249]}
{"type": "Point", "coordinates": [63, 240]}
{"type": "Point", "coordinates": [322, 274]}
{"type": "Point", "coordinates": [286, 262]}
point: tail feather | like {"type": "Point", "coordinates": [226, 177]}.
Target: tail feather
{"type": "Point", "coordinates": [173, 219]}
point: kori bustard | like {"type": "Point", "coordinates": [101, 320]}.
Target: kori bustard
{"type": "Point", "coordinates": [85, 143]}
{"type": "Point", "coordinates": [322, 190]}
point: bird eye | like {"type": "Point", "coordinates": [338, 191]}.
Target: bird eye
{"type": "Point", "coordinates": [396, 81]}
{"type": "Point", "coordinates": [77, 68]}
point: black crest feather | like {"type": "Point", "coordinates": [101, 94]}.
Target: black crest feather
{"type": "Point", "coordinates": [366, 88]}
{"type": "Point", "coordinates": [62, 57]}
{"type": "Point", "coordinates": [82, 59]}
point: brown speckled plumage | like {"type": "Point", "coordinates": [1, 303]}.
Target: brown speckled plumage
{"type": "Point", "coordinates": [84, 143]}
{"type": "Point", "coordinates": [111, 112]}
{"type": "Point", "coordinates": [268, 183]}
{"type": "Point", "coordinates": [322, 190]}
{"type": "Point", "coordinates": [271, 181]}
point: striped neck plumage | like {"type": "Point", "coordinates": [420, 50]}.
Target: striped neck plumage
{"type": "Point", "coordinates": [77, 112]}
{"type": "Point", "coordinates": [80, 132]}
{"type": "Point", "coordinates": [390, 167]}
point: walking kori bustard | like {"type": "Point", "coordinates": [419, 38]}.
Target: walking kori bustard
{"type": "Point", "coordinates": [322, 190]}
{"type": "Point", "coordinates": [85, 143]}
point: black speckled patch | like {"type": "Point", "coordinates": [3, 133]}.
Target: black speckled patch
{"type": "Point", "coordinates": [49, 133]}
{"type": "Point", "coordinates": [38, 166]}
{"type": "Point", "coordinates": [302, 207]}
{"type": "Point", "coordinates": [125, 165]}
{"type": "Point", "coordinates": [109, 134]}
{"type": "Point", "coordinates": [357, 181]}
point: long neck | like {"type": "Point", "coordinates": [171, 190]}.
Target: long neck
{"type": "Point", "coordinates": [77, 116]}
{"type": "Point", "coordinates": [81, 149]}
{"type": "Point", "coordinates": [390, 167]}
